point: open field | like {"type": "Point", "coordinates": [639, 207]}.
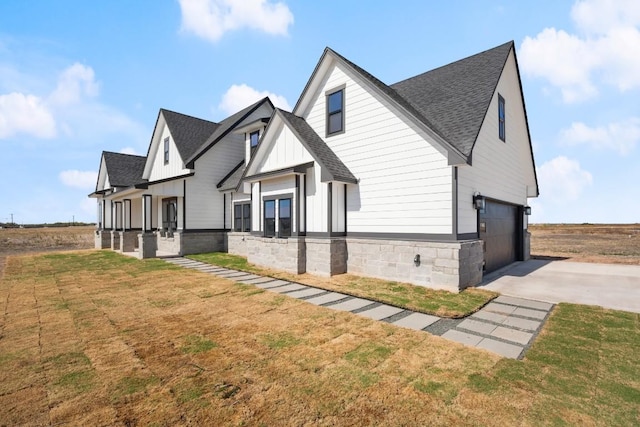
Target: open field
{"type": "Point", "coordinates": [96, 338]}
{"type": "Point", "coordinates": [603, 243]}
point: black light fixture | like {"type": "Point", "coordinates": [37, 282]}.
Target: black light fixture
{"type": "Point", "coordinates": [527, 210]}
{"type": "Point", "coordinates": [478, 201]}
{"type": "Point", "coordinates": [416, 260]}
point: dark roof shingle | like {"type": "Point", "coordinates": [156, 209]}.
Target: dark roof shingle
{"type": "Point", "coordinates": [332, 168]}
{"type": "Point", "coordinates": [231, 181]}
{"type": "Point", "coordinates": [188, 132]}
{"type": "Point", "coordinates": [455, 97]}
{"type": "Point", "coordinates": [123, 170]}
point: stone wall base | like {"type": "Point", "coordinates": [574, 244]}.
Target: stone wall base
{"type": "Point", "coordinates": [283, 254]}
{"type": "Point", "coordinates": [237, 243]}
{"type": "Point", "coordinates": [102, 239]}
{"type": "Point", "coordinates": [451, 266]}
{"type": "Point", "coordinates": [128, 241]}
{"type": "Point", "coordinates": [326, 257]}
{"type": "Point", "coordinates": [203, 241]}
{"type": "Point", "coordinates": [147, 245]}
{"type": "Point", "coordinates": [115, 241]}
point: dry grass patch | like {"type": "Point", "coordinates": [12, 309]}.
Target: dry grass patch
{"type": "Point", "coordinates": [416, 298]}
{"type": "Point", "coordinates": [603, 243]}
{"type": "Point", "coordinates": [242, 358]}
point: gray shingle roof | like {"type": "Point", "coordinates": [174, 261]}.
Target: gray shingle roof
{"type": "Point", "coordinates": [222, 129]}
{"type": "Point", "coordinates": [331, 166]}
{"type": "Point", "coordinates": [124, 170]}
{"type": "Point", "coordinates": [188, 132]}
{"type": "Point", "coordinates": [231, 181]}
{"type": "Point", "coordinates": [455, 97]}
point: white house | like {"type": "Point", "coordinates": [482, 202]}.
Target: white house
{"type": "Point", "coordinates": [167, 203]}
{"type": "Point", "coordinates": [423, 181]}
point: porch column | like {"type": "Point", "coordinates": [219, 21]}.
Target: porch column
{"type": "Point", "coordinates": [126, 215]}
{"type": "Point", "coordinates": [146, 213]}
{"type": "Point", "coordinates": [117, 213]}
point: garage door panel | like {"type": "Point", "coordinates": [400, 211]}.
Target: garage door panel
{"type": "Point", "coordinates": [499, 231]}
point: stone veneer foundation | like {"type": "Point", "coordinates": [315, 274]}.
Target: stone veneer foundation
{"type": "Point", "coordinates": [103, 239]}
{"type": "Point", "coordinates": [237, 243]}
{"type": "Point", "coordinates": [451, 266]}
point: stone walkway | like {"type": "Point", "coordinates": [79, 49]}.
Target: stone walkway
{"type": "Point", "coordinates": [506, 326]}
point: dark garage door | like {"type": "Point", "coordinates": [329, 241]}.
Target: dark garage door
{"type": "Point", "coordinates": [499, 230]}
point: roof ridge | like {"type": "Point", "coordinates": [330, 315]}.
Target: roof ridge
{"type": "Point", "coordinates": [186, 115]}
{"type": "Point", "coordinates": [454, 62]}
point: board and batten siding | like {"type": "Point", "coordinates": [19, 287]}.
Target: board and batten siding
{"type": "Point", "coordinates": [316, 203]}
{"type": "Point", "coordinates": [285, 151]}
{"type": "Point", "coordinates": [405, 181]}
{"type": "Point", "coordinates": [500, 170]}
{"type": "Point", "coordinates": [175, 167]}
{"type": "Point", "coordinates": [205, 204]}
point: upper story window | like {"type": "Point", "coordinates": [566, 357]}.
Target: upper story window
{"type": "Point", "coordinates": [166, 150]}
{"type": "Point", "coordinates": [335, 112]}
{"type": "Point", "coordinates": [253, 140]}
{"type": "Point", "coordinates": [501, 119]}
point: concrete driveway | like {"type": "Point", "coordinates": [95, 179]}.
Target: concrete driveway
{"type": "Point", "coordinates": [607, 285]}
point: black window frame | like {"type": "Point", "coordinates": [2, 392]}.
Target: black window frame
{"type": "Point", "coordinates": [169, 224]}
{"type": "Point", "coordinates": [502, 119]}
{"type": "Point", "coordinates": [251, 140]}
{"type": "Point", "coordinates": [334, 112]}
{"type": "Point", "coordinates": [269, 228]}
{"type": "Point", "coordinates": [242, 217]}
{"type": "Point", "coordinates": [285, 224]}
{"type": "Point", "coordinates": [166, 150]}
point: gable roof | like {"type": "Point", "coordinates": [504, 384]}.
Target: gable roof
{"type": "Point", "coordinates": [332, 168]}
{"type": "Point", "coordinates": [124, 170]}
{"type": "Point", "coordinates": [455, 97]}
{"type": "Point", "coordinates": [222, 129]}
{"type": "Point", "coordinates": [188, 132]}
{"type": "Point", "coordinates": [231, 181]}
{"type": "Point", "coordinates": [449, 102]}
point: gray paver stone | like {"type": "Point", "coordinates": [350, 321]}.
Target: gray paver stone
{"type": "Point", "coordinates": [327, 298]}
{"type": "Point", "coordinates": [289, 287]}
{"type": "Point", "coordinates": [517, 322]}
{"type": "Point", "coordinates": [305, 292]}
{"type": "Point", "coordinates": [462, 337]}
{"type": "Point", "coordinates": [538, 305]}
{"type": "Point", "coordinates": [527, 312]}
{"type": "Point", "coordinates": [488, 315]}
{"type": "Point", "coordinates": [271, 284]}
{"type": "Point", "coordinates": [350, 305]}
{"type": "Point", "coordinates": [499, 308]}
{"type": "Point", "coordinates": [512, 335]}
{"type": "Point", "coordinates": [502, 348]}
{"type": "Point", "coordinates": [258, 280]}
{"type": "Point", "coordinates": [381, 312]}
{"type": "Point", "coordinates": [417, 321]}
{"type": "Point", "coordinates": [477, 326]}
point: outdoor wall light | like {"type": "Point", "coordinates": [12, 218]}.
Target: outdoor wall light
{"type": "Point", "coordinates": [478, 202]}
{"type": "Point", "coordinates": [527, 210]}
{"type": "Point", "coordinates": [416, 260]}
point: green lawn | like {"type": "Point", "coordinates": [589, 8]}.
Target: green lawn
{"type": "Point", "coordinates": [404, 295]}
{"type": "Point", "coordinates": [83, 341]}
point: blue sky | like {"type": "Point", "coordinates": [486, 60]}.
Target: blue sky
{"type": "Point", "coordinates": [78, 77]}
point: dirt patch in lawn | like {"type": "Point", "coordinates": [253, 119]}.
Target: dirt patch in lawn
{"type": "Point", "coordinates": [601, 243]}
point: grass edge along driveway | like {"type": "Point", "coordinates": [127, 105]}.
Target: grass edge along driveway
{"type": "Point", "coordinates": [404, 295]}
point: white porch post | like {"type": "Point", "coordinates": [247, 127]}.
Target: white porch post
{"type": "Point", "coordinates": [147, 213]}
{"type": "Point", "coordinates": [126, 215]}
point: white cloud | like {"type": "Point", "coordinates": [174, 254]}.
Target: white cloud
{"type": "Point", "coordinates": [20, 113]}
{"type": "Point", "coordinates": [604, 51]}
{"type": "Point", "coordinates": [211, 19]}
{"type": "Point", "coordinates": [238, 97]}
{"type": "Point", "coordinates": [562, 180]}
{"type": "Point", "coordinates": [129, 150]}
{"type": "Point", "coordinates": [75, 83]}
{"type": "Point", "coordinates": [85, 180]}
{"type": "Point", "coordinates": [619, 136]}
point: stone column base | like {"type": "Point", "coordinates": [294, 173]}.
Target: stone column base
{"type": "Point", "coordinates": [115, 241]}
{"type": "Point", "coordinates": [147, 245]}
{"type": "Point", "coordinates": [128, 241]}
{"type": "Point", "coordinates": [103, 239]}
